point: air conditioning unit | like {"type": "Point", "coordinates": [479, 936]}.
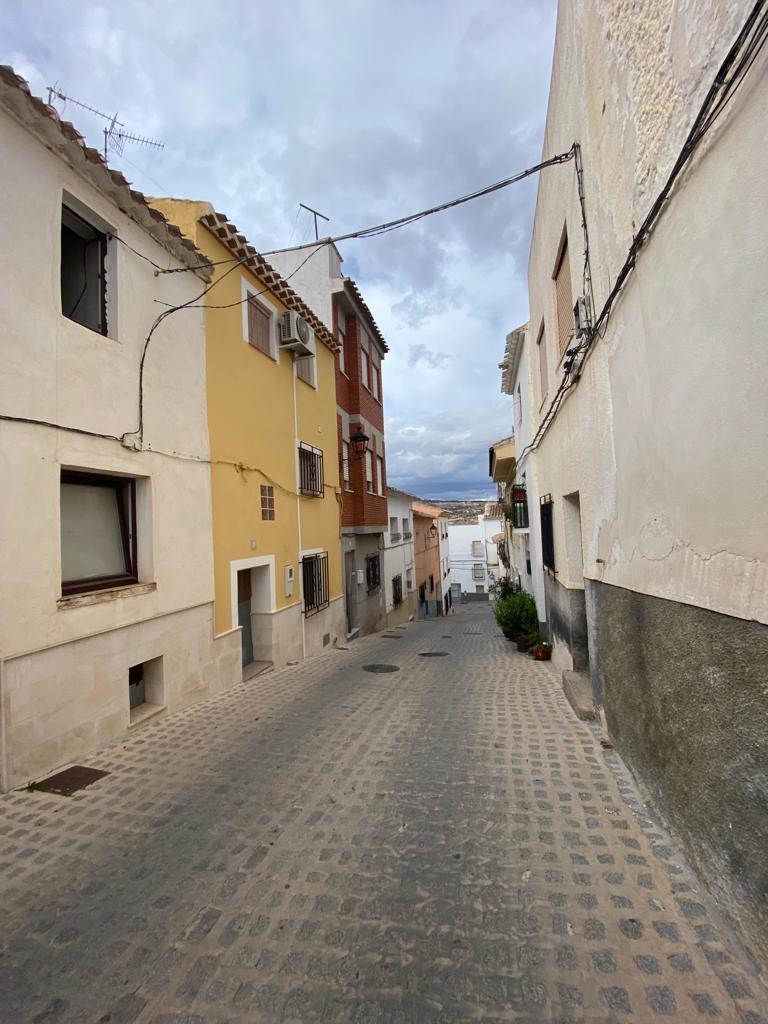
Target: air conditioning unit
{"type": "Point", "coordinates": [581, 315]}
{"type": "Point", "coordinates": [296, 334]}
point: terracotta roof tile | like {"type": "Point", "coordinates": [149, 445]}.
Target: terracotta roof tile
{"type": "Point", "coordinates": [352, 286]}
{"type": "Point", "coordinates": [238, 244]}
{"type": "Point", "coordinates": [17, 99]}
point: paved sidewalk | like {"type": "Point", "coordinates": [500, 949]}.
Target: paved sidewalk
{"type": "Point", "coordinates": [442, 843]}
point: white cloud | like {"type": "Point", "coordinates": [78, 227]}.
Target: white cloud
{"type": "Point", "coordinates": [364, 111]}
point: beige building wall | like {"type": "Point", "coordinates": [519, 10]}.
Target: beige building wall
{"type": "Point", "coordinates": [64, 661]}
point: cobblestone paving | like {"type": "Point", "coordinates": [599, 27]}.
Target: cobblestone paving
{"type": "Point", "coordinates": [443, 843]}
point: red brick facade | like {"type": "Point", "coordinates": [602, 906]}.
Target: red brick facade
{"type": "Point", "coordinates": [354, 396]}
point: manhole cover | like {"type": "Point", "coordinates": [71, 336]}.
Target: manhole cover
{"type": "Point", "coordinates": [434, 654]}
{"type": "Point", "coordinates": [380, 668]}
{"type": "Point", "coordinates": [70, 780]}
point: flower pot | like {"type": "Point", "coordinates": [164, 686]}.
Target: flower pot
{"type": "Point", "coordinates": [542, 653]}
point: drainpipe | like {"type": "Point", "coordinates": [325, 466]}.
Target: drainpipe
{"type": "Point", "coordinates": [3, 737]}
{"type": "Point", "coordinates": [298, 510]}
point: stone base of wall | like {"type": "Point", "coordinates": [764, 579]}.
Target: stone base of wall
{"type": "Point", "coordinates": [566, 625]}
{"type": "Point", "coordinates": [684, 693]}
{"type": "Point", "coordinates": [61, 703]}
{"type": "Point", "coordinates": [403, 612]}
{"type": "Point", "coordinates": [326, 628]}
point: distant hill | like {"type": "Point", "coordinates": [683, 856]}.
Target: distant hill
{"type": "Point", "coordinates": [466, 509]}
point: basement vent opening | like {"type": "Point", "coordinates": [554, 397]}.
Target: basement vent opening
{"type": "Point", "coordinates": [70, 781]}
{"type": "Point", "coordinates": [380, 668]}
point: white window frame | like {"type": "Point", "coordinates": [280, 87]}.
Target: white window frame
{"type": "Point", "coordinates": [369, 473]}
{"type": "Point", "coordinates": [345, 466]}
{"type": "Point", "coordinates": [251, 291]}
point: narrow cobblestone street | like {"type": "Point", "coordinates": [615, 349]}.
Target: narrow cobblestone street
{"type": "Point", "coordinates": [441, 843]}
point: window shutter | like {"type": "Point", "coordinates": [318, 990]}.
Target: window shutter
{"type": "Point", "coordinates": [259, 322]}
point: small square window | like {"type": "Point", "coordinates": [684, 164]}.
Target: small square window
{"type": "Point", "coordinates": [267, 502]}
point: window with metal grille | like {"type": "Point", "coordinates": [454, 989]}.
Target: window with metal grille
{"type": "Point", "coordinates": [394, 533]}
{"type": "Point", "coordinates": [267, 502]}
{"type": "Point", "coordinates": [311, 479]}
{"type": "Point", "coordinates": [314, 573]}
{"type": "Point", "coordinates": [547, 533]}
{"type": "Point", "coordinates": [83, 272]}
{"type": "Point", "coordinates": [372, 572]}
{"type": "Point", "coordinates": [259, 326]}
{"type": "Point", "coordinates": [478, 571]}
{"type": "Point", "coordinates": [397, 590]}
{"type": "Point", "coordinates": [563, 299]}
{"type": "Point", "coordinates": [519, 508]}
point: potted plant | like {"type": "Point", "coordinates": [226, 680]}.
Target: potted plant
{"type": "Point", "coordinates": [542, 651]}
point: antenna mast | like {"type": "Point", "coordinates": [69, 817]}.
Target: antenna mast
{"type": "Point", "coordinates": [116, 135]}
{"type": "Point", "coordinates": [315, 214]}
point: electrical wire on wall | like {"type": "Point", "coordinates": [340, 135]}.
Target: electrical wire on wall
{"type": "Point", "coordinates": [730, 75]}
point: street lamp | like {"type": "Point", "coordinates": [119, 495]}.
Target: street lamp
{"type": "Point", "coordinates": [433, 531]}
{"type": "Point", "coordinates": [359, 442]}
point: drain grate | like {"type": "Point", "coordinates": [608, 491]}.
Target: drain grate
{"type": "Point", "coordinates": [70, 781]}
{"type": "Point", "coordinates": [391, 636]}
{"type": "Point", "coordinates": [446, 636]}
{"type": "Point", "coordinates": [434, 654]}
{"type": "Point", "coordinates": [381, 668]}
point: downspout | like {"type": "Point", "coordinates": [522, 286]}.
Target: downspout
{"type": "Point", "coordinates": [298, 511]}
{"type": "Point", "coordinates": [3, 736]}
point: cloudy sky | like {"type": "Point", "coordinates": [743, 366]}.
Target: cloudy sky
{"type": "Point", "coordinates": [366, 111]}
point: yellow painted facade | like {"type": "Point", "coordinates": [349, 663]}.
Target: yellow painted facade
{"type": "Point", "coordinates": [258, 412]}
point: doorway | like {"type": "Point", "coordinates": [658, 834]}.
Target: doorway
{"type": "Point", "coordinates": [350, 577]}
{"type": "Point", "coordinates": [244, 596]}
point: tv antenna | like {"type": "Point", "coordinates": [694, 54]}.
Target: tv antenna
{"type": "Point", "coordinates": [116, 135]}
{"type": "Point", "coordinates": [315, 214]}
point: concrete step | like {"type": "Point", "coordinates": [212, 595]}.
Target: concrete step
{"type": "Point", "coordinates": [578, 689]}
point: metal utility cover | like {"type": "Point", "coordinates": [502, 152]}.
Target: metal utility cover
{"type": "Point", "coordinates": [70, 780]}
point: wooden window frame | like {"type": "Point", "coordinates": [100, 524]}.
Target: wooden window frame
{"type": "Point", "coordinates": [267, 492]}
{"type": "Point", "coordinates": [126, 510]}
{"type": "Point", "coordinates": [102, 239]}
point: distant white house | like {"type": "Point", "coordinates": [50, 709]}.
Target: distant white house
{"type": "Point", "coordinates": [399, 568]}
{"type": "Point", "coordinates": [474, 556]}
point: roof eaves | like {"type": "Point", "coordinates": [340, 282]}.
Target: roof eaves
{"type": "Point", "coordinates": [62, 138]}
{"type": "Point", "coordinates": [351, 287]}
{"type": "Point", "coordinates": [225, 231]}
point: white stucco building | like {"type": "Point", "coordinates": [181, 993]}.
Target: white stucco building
{"type": "Point", "coordinates": [106, 563]}
{"type": "Point", "coordinates": [473, 555]}
{"type": "Point", "coordinates": [523, 529]}
{"type": "Point", "coordinates": [652, 456]}
{"type": "Point", "coordinates": [399, 564]}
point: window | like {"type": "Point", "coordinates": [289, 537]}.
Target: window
{"type": "Point", "coordinates": [431, 584]}
{"type": "Point", "coordinates": [519, 507]}
{"type": "Point", "coordinates": [380, 474]}
{"type": "Point", "coordinates": [409, 579]}
{"type": "Point", "coordinates": [518, 401]}
{"type": "Point", "coordinates": [345, 463]}
{"type": "Point", "coordinates": [547, 533]}
{"type": "Point", "coordinates": [372, 572]}
{"type": "Point", "coordinates": [541, 344]}
{"type": "Point", "coordinates": [477, 548]}
{"type": "Point", "coordinates": [314, 577]}
{"type": "Point", "coordinates": [406, 528]}
{"type": "Point", "coordinates": [423, 593]}
{"type": "Point", "coordinates": [397, 590]}
{"type": "Point", "coordinates": [563, 299]}
{"type": "Point", "coordinates": [369, 472]}
{"type": "Point", "coordinates": [364, 372]}
{"type": "Point", "coordinates": [393, 531]}
{"type": "Point", "coordinates": [145, 688]}
{"type": "Point", "coordinates": [311, 470]}
{"type": "Point", "coordinates": [259, 326]}
{"type": "Point", "coordinates": [98, 533]}
{"type": "Point", "coordinates": [341, 331]}
{"type": "Point", "coordinates": [376, 381]}
{"type": "Point", "coordinates": [83, 272]}
{"type": "Point", "coordinates": [267, 502]}
{"type": "Point", "coordinates": [478, 571]}
{"type": "Point", "coordinates": [306, 370]}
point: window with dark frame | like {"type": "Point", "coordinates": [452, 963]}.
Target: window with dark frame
{"type": "Point", "coordinates": [259, 326]}
{"type": "Point", "coordinates": [372, 572]}
{"type": "Point", "coordinates": [397, 590]}
{"type": "Point", "coordinates": [267, 502]}
{"type": "Point", "coordinates": [311, 479]}
{"type": "Point", "coordinates": [563, 299]}
{"type": "Point", "coordinates": [83, 272]}
{"type": "Point", "coordinates": [314, 574]}
{"type": "Point", "coordinates": [98, 532]}
{"type": "Point", "coordinates": [431, 584]}
{"type": "Point", "coordinates": [547, 533]}
{"type": "Point", "coordinates": [519, 507]}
